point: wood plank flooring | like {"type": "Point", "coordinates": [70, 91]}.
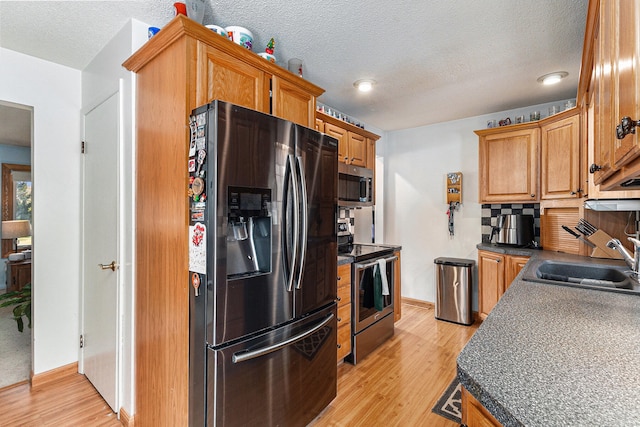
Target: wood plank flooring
{"type": "Point", "coordinates": [70, 401]}
{"type": "Point", "coordinates": [395, 386]}
{"type": "Point", "coordinates": [399, 383]}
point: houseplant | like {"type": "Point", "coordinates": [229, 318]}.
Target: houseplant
{"type": "Point", "coordinates": [21, 300]}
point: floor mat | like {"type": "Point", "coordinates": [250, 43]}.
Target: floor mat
{"type": "Point", "coordinates": [450, 403]}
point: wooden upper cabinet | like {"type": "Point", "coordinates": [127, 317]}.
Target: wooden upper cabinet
{"type": "Point", "coordinates": [603, 93]}
{"type": "Point", "coordinates": [342, 136]}
{"type": "Point", "coordinates": [626, 76]}
{"type": "Point", "coordinates": [292, 103]}
{"type": "Point", "coordinates": [560, 156]}
{"type": "Point", "coordinates": [356, 146]}
{"type": "Point", "coordinates": [610, 84]}
{"type": "Point", "coordinates": [509, 164]}
{"type": "Point", "coordinates": [371, 153]}
{"type": "Point", "coordinates": [357, 151]}
{"type": "Point", "coordinates": [223, 77]}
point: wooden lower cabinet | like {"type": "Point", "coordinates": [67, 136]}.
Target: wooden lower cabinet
{"type": "Point", "coordinates": [344, 311]}
{"type": "Point", "coordinates": [496, 272]}
{"type": "Point", "coordinates": [474, 414]}
{"type": "Point", "coordinates": [514, 265]}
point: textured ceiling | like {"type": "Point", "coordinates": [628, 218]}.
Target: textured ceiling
{"type": "Point", "coordinates": [433, 60]}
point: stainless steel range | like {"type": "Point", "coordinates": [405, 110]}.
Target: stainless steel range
{"type": "Point", "coordinates": [372, 281]}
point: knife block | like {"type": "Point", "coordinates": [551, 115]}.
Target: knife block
{"type": "Point", "coordinates": [600, 239]}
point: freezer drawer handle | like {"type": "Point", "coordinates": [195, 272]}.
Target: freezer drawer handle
{"type": "Point", "coordinates": [243, 356]}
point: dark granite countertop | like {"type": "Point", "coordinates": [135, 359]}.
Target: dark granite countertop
{"type": "Point", "coordinates": [507, 250]}
{"type": "Point", "coordinates": [553, 355]}
{"type": "Point", "coordinates": [344, 260]}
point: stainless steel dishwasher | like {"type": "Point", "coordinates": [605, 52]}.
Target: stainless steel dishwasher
{"type": "Point", "coordinates": [454, 281]}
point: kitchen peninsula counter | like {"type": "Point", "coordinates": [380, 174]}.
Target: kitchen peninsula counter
{"type": "Point", "coordinates": [552, 355]}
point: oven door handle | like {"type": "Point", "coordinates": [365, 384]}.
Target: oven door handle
{"type": "Point", "coordinates": [371, 264]}
{"type": "Point", "coordinates": [242, 356]}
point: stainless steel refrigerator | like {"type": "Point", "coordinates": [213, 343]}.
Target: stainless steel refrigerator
{"type": "Point", "coordinates": [262, 261]}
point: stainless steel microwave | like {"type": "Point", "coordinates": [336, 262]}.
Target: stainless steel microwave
{"type": "Point", "coordinates": [355, 185]}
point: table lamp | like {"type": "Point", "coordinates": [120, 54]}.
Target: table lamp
{"type": "Point", "coordinates": [15, 229]}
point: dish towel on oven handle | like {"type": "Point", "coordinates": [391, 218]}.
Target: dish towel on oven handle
{"type": "Point", "coordinates": [380, 284]}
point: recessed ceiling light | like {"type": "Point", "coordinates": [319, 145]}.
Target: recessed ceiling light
{"type": "Point", "coordinates": [364, 85]}
{"type": "Point", "coordinates": [552, 78]}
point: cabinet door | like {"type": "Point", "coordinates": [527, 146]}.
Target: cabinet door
{"type": "Point", "coordinates": [626, 76]}
{"type": "Point", "coordinates": [371, 153]}
{"type": "Point", "coordinates": [515, 264]}
{"type": "Point", "coordinates": [319, 125]}
{"type": "Point", "coordinates": [491, 270]}
{"type": "Point", "coordinates": [357, 150]}
{"type": "Point", "coordinates": [223, 77]}
{"type": "Point", "coordinates": [474, 414]}
{"type": "Point", "coordinates": [603, 132]}
{"type": "Point", "coordinates": [509, 166]}
{"type": "Point", "coordinates": [341, 135]}
{"type": "Point", "coordinates": [560, 161]}
{"type": "Point", "coordinates": [292, 103]}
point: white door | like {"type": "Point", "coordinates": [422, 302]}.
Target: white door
{"type": "Point", "coordinates": [100, 245]}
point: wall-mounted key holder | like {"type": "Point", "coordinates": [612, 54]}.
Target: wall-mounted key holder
{"type": "Point", "coordinates": [454, 187]}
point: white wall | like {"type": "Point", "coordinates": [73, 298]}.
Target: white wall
{"type": "Point", "coordinates": [100, 79]}
{"type": "Point", "coordinates": [412, 165]}
{"type": "Point", "coordinates": [54, 92]}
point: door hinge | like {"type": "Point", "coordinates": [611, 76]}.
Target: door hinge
{"type": "Point", "coordinates": [81, 341]}
{"type": "Point", "coordinates": [82, 147]}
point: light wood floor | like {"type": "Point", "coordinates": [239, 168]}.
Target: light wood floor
{"type": "Point", "coordinates": [399, 383]}
{"type": "Point", "coordinates": [395, 386]}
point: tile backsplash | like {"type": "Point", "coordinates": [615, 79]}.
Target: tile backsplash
{"type": "Point", "coordinates": [490, 214]}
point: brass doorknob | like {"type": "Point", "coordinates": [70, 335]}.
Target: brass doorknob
{"type": "Point", "coordinates": [111, 266]}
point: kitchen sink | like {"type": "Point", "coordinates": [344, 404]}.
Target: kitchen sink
{"type": "Point", "coordinates": [593, 276]}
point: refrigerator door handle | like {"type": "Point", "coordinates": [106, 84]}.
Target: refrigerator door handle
{"type": "Point", "coordinates": [243, 356]}
{"type": "Point", "coordinates": [296, 221]}
{"type": "Point", "coordinates": [303, 223]}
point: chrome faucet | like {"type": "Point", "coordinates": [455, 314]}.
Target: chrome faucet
{"type": "Point", "coordinates": [632, 261]}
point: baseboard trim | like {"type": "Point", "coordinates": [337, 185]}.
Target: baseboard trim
{"type": "Point", "coordinates": [431, 306]}
{"type": "Point", "coordinates": [418, 303]}
{"type": "Point", "coordinates": [53, 375]}
{"type": "Point", "coordinates": [125, 418]}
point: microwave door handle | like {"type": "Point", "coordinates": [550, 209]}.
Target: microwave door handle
{"type": "Point", "coordinates": [296, 221]}
{"type": "Point", "coordinates": [304, 220]}
{"type": "Point", "coordinates": [242, 356]}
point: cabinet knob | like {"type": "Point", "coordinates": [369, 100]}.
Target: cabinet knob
{"type": "Point", "coordinates": [339, 319]}
{"type": "Point", "coordinates": [594, 168]}
{"type": "Point", "coordinates": [339, 346]}
{"type": "Point", "coordinates": [626, 126]}
{"type": "Point", "coordinates": [573, 193]}
{"type": "Point", "coordinates": [533, 195]}
{"type": "Point", "coordinates": [338, 277]}
{"type": "Point", "coordinates": [339, 299]}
